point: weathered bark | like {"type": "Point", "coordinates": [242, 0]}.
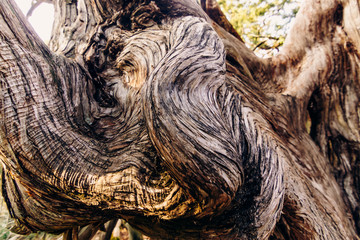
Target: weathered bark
{"type": "Point", "coordinates": [157, 113]}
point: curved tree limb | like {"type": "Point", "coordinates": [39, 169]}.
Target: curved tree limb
{"type": "Point", "coordinates": [57, 140]}
{"type": "Point", "coordinates": [130, 123]}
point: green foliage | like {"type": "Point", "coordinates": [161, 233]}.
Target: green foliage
{"type": "Point", "coordinates": [261, 23]}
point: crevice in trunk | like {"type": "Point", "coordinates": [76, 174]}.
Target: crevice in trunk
{"type": "Point", "coordinates": [315, 110]}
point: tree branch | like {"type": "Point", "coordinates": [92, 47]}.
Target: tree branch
{"type": "Point", "coordinates": [67, 145]}
{"type": "Point", "coordinates": [212, 8]}
{"type": "Point", "coordinates": [35, 4]}
{"type": "Point", "coordinates": [132, 124]}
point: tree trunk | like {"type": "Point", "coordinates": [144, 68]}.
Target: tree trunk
{"type": "Point", "coordinates": [157, 113]}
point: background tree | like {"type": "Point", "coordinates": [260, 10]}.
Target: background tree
{"type": "Point", "coordinates": [262, 24]}
{"type": "Point", "coordinates": [123, 119]}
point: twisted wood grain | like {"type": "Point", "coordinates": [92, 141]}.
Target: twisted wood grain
{"type": "Point", "coordinates": [151, 112]}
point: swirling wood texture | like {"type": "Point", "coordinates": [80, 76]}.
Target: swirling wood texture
{"type": "Point", "coordinates": [157, 113]}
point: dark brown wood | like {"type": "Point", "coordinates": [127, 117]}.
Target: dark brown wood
{"type": "Point", "coordinates": [157, 113]}
{"type": "Point", "coordinates": [212, 9]}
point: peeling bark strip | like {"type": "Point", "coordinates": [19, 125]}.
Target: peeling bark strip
{"type": "Point", "coordinates": [155, 112]}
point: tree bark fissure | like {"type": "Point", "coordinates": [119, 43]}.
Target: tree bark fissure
{"type": "Point", "coordinates": [156, 112]}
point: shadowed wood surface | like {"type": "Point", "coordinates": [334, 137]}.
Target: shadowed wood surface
{"type": "Point", "coordinates": [157, 113]}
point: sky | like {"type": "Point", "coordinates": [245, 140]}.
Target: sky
{"type": "Point", "coordinates": [41, 19]}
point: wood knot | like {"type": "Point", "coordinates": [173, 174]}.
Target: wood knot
{"type": "Point", "coordinates": [145, 16]}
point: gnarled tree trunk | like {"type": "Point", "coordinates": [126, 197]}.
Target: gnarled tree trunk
{"type": "Point", "coordinates": [157, 113]}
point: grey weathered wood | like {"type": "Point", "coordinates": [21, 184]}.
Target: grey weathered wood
{"type": "Point", "coordinates": [157, 113]}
